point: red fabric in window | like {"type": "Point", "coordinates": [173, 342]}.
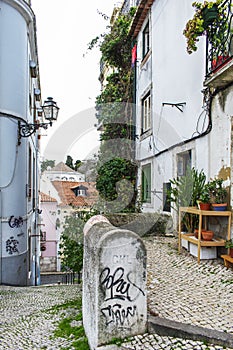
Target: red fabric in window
{"type": "Point", "coordinates": [134, 55]}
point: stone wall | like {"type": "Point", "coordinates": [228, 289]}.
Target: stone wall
{"type": "Point", "coordinates": [144, 223]}
{"type": "Point", "coordinates": [48, 264]}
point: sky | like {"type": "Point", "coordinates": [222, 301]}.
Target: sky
{"type": "Point", "coordinates": [68, 71]}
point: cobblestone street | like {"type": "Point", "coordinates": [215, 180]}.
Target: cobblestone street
{"type": "Point", "coordinates": [27, 320]}
{"type": "Point", "coordinates": [178, 289]}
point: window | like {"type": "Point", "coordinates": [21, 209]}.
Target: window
{"type": "Point", "coordinates": [43, 236]}
{"type": "Point", "coordinates": [183, 163]}
{"type": "Point", "coordinates": [146, 112]}
{"type": "Point", "coordinates": [145, 40]}
{"type": "Point", "coordinates": [80, 191]}
{"type": "Point", "coordinates": [166, 202]}
{"type": "Point", "coordinates": [146, 183]}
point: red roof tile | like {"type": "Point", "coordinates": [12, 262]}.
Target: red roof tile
{"type": "Point", "coordinates": [46, 198]}
{"type": "Point", "coordinates": [68, 197]}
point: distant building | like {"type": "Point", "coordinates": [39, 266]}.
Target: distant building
{"type": "Point", "coordinates": [78, 195]}
{"type": "Point", "coordinates": [49, 238]}
{"type": "Point", "coordinates": [67, 198]}
{"type": "Point", "coordinates": [61, 172]}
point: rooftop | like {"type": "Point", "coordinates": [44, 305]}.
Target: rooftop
{"type": "Point", "coordinates": [68, 197]}
{"type": "Point", "coordinates": [46, 198]}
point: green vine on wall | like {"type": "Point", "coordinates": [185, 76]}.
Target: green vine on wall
{"type": "Point", "coordinates": [114, 111]}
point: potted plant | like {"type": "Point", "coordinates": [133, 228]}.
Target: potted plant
{"type": "Point", "coordinates": [185, 191]}
{"type": "Point", "coordinates": [204, 200]}
{"type": "Point", "coordinates": [206, 15]}
{"type": "Point", "coordinates": [229, 245]}
{"type": "Point", "coordinates": [218, 194]}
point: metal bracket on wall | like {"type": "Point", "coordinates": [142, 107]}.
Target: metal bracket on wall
{"type": "Point", "coordinates": [179, 106]}
{"type": "Point", "coordinates": [155, 192]}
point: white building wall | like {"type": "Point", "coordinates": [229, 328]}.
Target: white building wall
{"type": "Point", "coordinates": [14, 61]}
{"type": "Point", "coordinates": [174, 77]}
{"type": "Point", "coordinates": [220, 137]}
{"type": "Point", "coordinates": [19, 252]}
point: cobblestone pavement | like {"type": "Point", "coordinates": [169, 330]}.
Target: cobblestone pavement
{"type": "Point", "coordinates": [182, 290]}
{"type": "Point", "coordinates": [179, 289]}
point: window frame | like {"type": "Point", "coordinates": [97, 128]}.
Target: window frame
{"type": "Point", "coordinates": [146, 178]}
{"type": "Point", "coordinates": [146, 112]}
{"type": "Point", "coordinates": [146, 40]}
{"type": "Point", "coordinates": [184, 161]}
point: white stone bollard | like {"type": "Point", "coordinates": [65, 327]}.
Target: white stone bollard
{"type": "Point", "coordinates": [114, 283]}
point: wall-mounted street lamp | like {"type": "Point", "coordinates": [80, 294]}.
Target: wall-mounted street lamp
{"type": "Point", "coordinates": [50, 110]}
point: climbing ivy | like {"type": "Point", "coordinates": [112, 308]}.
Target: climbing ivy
{"type": "Point", "coordinates": [116, 46]}
{"type": "Point", "coordinates": [116, 182]}
{"type": "Point", "coordinates": [114, 112]}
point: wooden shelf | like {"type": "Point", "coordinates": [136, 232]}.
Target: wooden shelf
{"type": "Point", "coordinates": [194, 210]}
{"type": "Point", "coordinates": [228, 260]}
{"type": "Point", "coordinates": [216, 242]}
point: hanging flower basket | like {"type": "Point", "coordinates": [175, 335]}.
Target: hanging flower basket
{"type": "Point", "coordinates": [206, 14]}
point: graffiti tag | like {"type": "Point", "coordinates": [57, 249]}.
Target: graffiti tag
{"type": "Point", "coordinates": [119, 286]}
{"type": "Point", "coordinates": [11, 245]}
{"type": "Point", "coordinates": [15, 222]}
{"type": "Point", "coordinates": [118, 315]}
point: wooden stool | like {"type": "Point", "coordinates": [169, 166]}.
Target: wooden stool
{"type": "Point", "coordinates": [227, 260]}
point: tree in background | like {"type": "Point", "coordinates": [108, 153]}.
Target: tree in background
{"type": "Point", "coordinates": [70, 164]}
{"type": "Point", "coordinates": [47, 163]}
{"type": "Point", "coordinates": [71, 246]}
{"type": "Point", "coordinates": [77, 164]}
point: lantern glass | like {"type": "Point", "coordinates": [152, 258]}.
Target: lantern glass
{"type": "Point", "coordinates": [50, 109]}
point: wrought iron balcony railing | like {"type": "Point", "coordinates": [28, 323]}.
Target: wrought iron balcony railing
{"type": "Point", "coordinates": [219, 49]}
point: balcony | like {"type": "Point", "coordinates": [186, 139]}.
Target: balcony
{"type": "Point", "coordinates": [219, 47]}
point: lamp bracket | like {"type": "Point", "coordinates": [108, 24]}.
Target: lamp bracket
{"type": "Point", "coordinates": [26, 130]}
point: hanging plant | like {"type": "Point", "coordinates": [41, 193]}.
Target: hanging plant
{"type": "Point", "coordinates": [206, 15]}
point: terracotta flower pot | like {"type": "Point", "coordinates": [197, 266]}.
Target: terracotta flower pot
{"type": "Point", "coordinates": [204, 206]}
{"type": "Point", "coordinates": [196, 232]}
{"type": "Point", "coordinates": [207, 235]}
{"type": "Point", "coordinates": [231, 252]}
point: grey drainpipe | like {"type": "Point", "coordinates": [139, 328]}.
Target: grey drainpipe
{"type": "Point", "coordinates": [0, 236]}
